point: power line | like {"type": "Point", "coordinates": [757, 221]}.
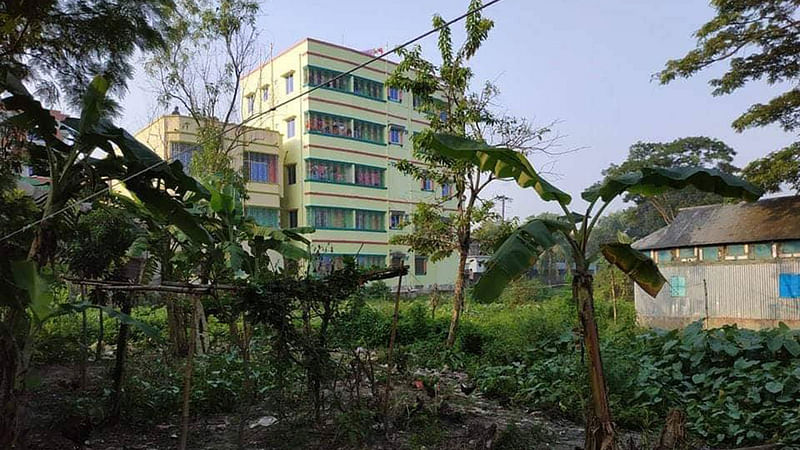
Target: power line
{"type": "Point", "coordinates": [255, 116]}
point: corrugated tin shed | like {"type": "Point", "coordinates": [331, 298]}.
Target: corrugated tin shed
{"type": "Point", "coordinates": [772, 219]}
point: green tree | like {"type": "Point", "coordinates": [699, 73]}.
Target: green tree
{"type": "Point", "coordinates": [761, 41]}
{"type": "Point", "coordinates": [524, 247]}
{"type": "Point", "coordinates": [60, 45]}
{"type": "Point", "coordinates": [66, 151]}
{"type": "Point", "coordinates": [210, 45]}
{"type": "Point", "coordinates": [698, 151]}
{"type": "Point", "coordinates": [776, 170]}
{"type": "Point", "coordinates": [491, 233]}
{"type": "Point", "coordinates": [443, 92]}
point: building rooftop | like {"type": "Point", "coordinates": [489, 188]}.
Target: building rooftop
{"type": "Point", "coordinates": [772, 219]}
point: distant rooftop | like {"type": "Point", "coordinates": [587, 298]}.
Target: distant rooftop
{"type": "Point", "coordinates": [772, 219]}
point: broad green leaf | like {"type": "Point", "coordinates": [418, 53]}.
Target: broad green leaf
{"type": "Point", "coordinates": [655, 180]}
{"type": "Point", "coordinates": [28, 278]}
{"type": "Point", "coordinates": [515, 256]}
{"type": "Point", "coordinates": [173, 211]}
{"type": "Point", "coordinates": [221, 202]}
{"type": "Point", "coordinates": [70, 308]}
{"type": "Point", "coordinates": [636, 265]}
{"type": "Point", "coordinates": [93, 104]}
{"type": "Point", "coordinates": [502, 162]}
{"type": "Point", "coordinates": [791, 346]}
{"type": "Point", "coordinates": [774, 386]}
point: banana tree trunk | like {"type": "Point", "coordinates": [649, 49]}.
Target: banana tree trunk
{"type": "Point", "coordinates": [600, 433]}
{"type": "Point", "coordinates": [14, 352]}
{"type": "Point", "coordinates": [458, 295]}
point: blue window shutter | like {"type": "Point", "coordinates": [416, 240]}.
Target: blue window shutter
{"type": "Point", "coordinates": [677, 286]}
{"type": "Point", "coordinates": [789, 285]}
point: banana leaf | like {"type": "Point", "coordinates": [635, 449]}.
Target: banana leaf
{"type": "Point", "coordinates": [642, 270]}
{"type": "Point", "coordinates": [502, 162]}
{"type": "Point", "coordinates": [655, 180]}
{"type": "Point", "coordinates": [515, 256]}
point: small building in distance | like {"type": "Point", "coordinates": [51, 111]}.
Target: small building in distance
{"type": "Point", "coordinates": [254, 151]}
{"type": "Point", "coordinates": [726, 264]}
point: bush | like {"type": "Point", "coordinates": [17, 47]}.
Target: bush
{"type": "Point", "coordinates": [377, 290]}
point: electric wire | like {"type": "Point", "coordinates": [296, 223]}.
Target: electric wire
{"type": "Point", "coordinates": [272, 109]}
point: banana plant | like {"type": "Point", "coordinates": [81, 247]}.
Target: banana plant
{"type": "Point", "coordinates": [521, 250]}
{"type": "Point", "coordinates": [66, 152]}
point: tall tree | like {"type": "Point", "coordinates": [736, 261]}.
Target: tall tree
{"type": "Point", "coordinates": [210, 45]}
{"type": "Point", "coordinates": [525, 246]}
{"type": "Point", "coordinates": [60, 45]}
{"type": "Point", "coordinates": [684, 152]}
{"type": "Point", "coordinates": [443, 92]}
{"type": "Point", "coordinates": [761, 41]}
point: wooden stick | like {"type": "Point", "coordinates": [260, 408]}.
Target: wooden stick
{"type": "Point", "coordinates": [392, 337]}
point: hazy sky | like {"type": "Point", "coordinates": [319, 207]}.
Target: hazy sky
{"type": "Point", "coordinates": [587, 64]}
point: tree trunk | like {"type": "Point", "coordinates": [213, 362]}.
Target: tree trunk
{"type": "Point", "coordinates": [187, 380]}
{"type": "Point", "coordinates": [613, 294]}
{"type": "Point", "coordinates": [84, 342]}
{"type": "Point", "coordinates": [176, 325]}
{"type": "Point", "coordinates": [118, 375]}
{"type": "Point", "coordinates": [14, 341]}
{"type": "Point", "coordinates": [389, 351]}
{"type": "Point", "coordinates": [458, 295]}
{"type": "Point", "coordinates": [100, 336]}
{"type": "Point", "coordinates": [600, 433]}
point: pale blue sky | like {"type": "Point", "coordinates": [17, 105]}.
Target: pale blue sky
{"type": "Point", "coordinates": [587, 64]}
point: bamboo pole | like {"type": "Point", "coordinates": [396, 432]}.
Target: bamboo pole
{"type": "Point", "coordinates": [187, 380]}
{"type": "Point", "coordinates": [389, 351]}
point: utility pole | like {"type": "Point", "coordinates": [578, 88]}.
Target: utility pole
{"type": "Point", "coordinates": [503, 199]}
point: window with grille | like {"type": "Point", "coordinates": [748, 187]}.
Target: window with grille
{"type": "Point", "coordinates": [251, 103]}
{"type": "Point", "coordinates": [396, 135]}
{"type": "Point", "coordinates": [289, 82]}
{"type": "Point", "coordinates": [330, 171]}
{"type": "Point", "coordinates": [427, 185]}
{"type": "Point", "coordinates": [370, 261]}
{"type": "Point", "coordinates": [395, 95]}
{"type": "Point", "coordinates": [316, 76]}
{"type": "Point", "coordinates": [761, 251]}
{"type": "Point", "coordinates": [396, 220]}
{"type": "Point", "coordinates": [369, 176]}
{"type": "Point", "coordinates": [182, 151]}
{"type": "Point", "coordinates": [677, 286]}
{"type": "Point", "coordinates": [420, 265]}
{"type": "Point", "coordinates": [293, 218]}
{"type": "Point", "coordinates": [368, 88]}
{"type": "Point", "coordinates": [369, 220]}
{"type": "Point", "coordinates": [736, 251]}
{"type": "Point", "coordinates": [291, 174]}
{"type": "Point", "coordinates": [447, 190]}
{"type": "Point", "coordinates": [261, 167]}
{"type": "Point", "coordinates": [711, 253]}
{"type": "Point", "coordinates": [265, 93]}
{"type": "Point", "coordinates": [322, 217]}
{"type": "Point", "coordinates": [290, 128]}
{"type": "Point", "coordinates": [789, 248]}
{"type": "Point", "coordinates": [266, 217]}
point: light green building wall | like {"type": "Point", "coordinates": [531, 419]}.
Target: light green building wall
{"type": "Point", "coordinates": [399, 193]}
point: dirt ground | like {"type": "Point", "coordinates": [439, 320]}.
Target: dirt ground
{"type": "Point", "coordinates": [462, 422]}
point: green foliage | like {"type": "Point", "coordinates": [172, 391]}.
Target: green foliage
{"type": "Point", "coordinates": [103, 36]}
{"type": "Point", "coordinates": [654, 211]}
{"type": "Point", "coordinates": [635, 264]}
{"type": "Point", "coordinates": [101, 241]}
{"type": "Point", "coordinates": [776, 169]}
{"type": "Point", "coordinates": [377, 290]}
{"type": "Point", "coordinates": [523, 291]}
{"type": "Point", "coordinates": [766, 29]}
{"type": "Point", "coordinates": [491, 234]}
{"type": "Point", "coordinates": [760, 40]}
{"type": "Point", "coordinates": [656, 180]}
